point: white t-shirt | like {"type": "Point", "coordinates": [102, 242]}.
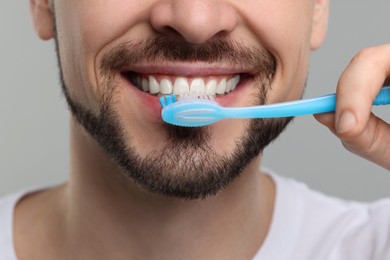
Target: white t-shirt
{"type": "Point", "coordinates": [306, 225]}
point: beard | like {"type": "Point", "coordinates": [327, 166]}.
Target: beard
{"type": "Point", "coordinates": [187, 166]}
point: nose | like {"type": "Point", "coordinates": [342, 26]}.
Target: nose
{"type": "Point", "coordinates": [196, 21]}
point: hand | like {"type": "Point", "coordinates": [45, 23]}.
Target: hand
{"type": "Point", "coordinates": [360, 131]}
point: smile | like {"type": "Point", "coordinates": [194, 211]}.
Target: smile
{"type": "Point", "coordinates": [164, 84]}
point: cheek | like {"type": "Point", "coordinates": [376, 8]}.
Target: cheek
{"type": "Point", "coordinates": [83, 33]}
{"type": "Point", "coordinates": [285, 27]}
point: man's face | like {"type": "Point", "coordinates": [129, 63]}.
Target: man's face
{"type": "Point", "coordinates": [110, 52]}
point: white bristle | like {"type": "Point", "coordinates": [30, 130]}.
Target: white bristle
{"type": "Point", "coordinates": [191, 96]}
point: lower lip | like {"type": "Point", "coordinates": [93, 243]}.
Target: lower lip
{"type": "Point", "coordinates": [151, 104]}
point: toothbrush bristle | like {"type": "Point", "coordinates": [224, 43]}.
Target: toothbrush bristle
{"type": "Point", "coordinates": [167, 100]}
{"type": "Point", "coordinates": [191, 96]}
{"type": "Point", "coordinates": [185, 97]}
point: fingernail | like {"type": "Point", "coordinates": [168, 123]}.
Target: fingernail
{"type": "Point", "coordinates": [346, 122]}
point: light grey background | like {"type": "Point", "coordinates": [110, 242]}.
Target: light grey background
{"type": "Point", "coordinates": [34, 118]}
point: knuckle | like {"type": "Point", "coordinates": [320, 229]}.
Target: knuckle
{"type": "Point", "coordinates": [363, 140]}
{"type": "Point", "coordinates": [365, 53]}
{"type": "Point", "coordinates": [373, 58]}
{"type": "Point", "coordinates": [350, 148]}
{"type": "Point", "coordinates": [375, 139]}
{"type": "Point", "coordinates": [371, 62]}
{"type": "Point", "coordinates": [366, 56]}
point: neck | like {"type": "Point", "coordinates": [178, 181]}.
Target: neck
{"type": "Point", "coordinates": [133, 223]}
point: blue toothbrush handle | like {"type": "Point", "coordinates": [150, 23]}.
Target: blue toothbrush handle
{"type": "Point", "coordinates": [317, 105]}
{"type": "Point", "coordinates": [383, 97]}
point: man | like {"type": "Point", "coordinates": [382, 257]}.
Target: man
{"type": "Point", "coordinates": [142, 189]}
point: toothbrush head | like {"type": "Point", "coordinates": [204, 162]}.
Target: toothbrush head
{"type": "Point", "coordinates": [190, 111]}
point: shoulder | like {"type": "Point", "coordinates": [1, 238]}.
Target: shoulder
{"type": "Point", "coordinates": [7, 206]}
{"type": "Point", "coordinates": [334, 228]}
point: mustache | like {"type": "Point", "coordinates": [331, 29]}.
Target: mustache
{"type": "Point", "coordinates": [158, 49]}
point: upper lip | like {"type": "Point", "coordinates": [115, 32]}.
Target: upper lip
{"type": "Point", "coordinates": [187, 69]}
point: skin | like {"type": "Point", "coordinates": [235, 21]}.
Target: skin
{"type": "Point", "coordinates": [100, 214]}
{"type": "Point", "coordinates": [360, 131]}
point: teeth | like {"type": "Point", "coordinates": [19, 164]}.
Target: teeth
{"type": "Point", "coordinates": [154, 87]}
{"type": "Point", "coordinates": [138, 81]}
{"type": "Point", "coordinates": [232, 83]}
{"type": "Point", "coordinates": [181, 85]}
{"type": "Point", "coordinates": [221, 87]}
{"type": "Point", "coordinates": [197, 85]}
{"type": "Point", "coordinates": [145, 85]}
{"type": "Point", "coordinates": [229, 85]}
{"type": "Point", "coordinates": [236, 80]}
{"type": "Point", "coordinates": [211, 87]}
{"type": "Point", "coordinates": [166, 86]}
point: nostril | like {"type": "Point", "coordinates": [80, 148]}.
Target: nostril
{"type": "Point", "coordinates": [170, 31]}
{"type": "Point", "coordinates": [191, 37]}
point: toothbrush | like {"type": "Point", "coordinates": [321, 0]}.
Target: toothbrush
{"type": "Point", "coordinates": [196, 111]}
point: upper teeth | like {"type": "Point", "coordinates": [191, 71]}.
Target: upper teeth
{"type": "Point", "coordinates": [182, 85]}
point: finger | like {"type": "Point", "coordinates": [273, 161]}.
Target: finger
{"type": "Point", "coordinates": [358, 87]}
{"type": "Point", "coordinates": [360, 131]}
{"type": "Point", "coordinates": [373, 143]}
{"type": "Point", "coordinates": [376, 137]}
{"type": "Point", "coordinates": [327, 119]}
